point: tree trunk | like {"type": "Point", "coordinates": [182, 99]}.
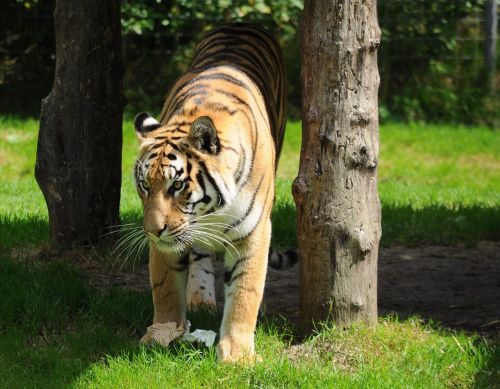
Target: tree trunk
{"type": "Point", "coordinates": [78, 165]}
{"type": "Point", "coordinates": [338, 209]}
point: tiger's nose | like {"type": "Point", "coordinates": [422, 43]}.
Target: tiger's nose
{"type": "Point", "coordinates": [155, 231]}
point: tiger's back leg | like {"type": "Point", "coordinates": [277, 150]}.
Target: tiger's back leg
{"type": "Point", "coordinates": [200, 288]}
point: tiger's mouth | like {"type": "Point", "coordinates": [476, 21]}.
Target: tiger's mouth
{"type": "Point", "coordinates": [171, 245]}
{"type": "Point", "coordinates": [175, 243]}
{"type": "Point", "coordinates": [208, 235]}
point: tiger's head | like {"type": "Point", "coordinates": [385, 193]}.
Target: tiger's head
{"type": "Point", "coordinates": [175, 179]}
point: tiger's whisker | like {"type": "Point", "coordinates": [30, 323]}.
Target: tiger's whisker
{"type": "Point", "coordinates": [129, 235]}
{"type": "Point", "coordinates": [219, 239]}
{"type": "Point", "coordinates": [130, 249]}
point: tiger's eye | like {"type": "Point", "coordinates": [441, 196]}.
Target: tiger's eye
{"type": "Point", "coordinates": [178, 185]}
{"type": "Point", "coordinates": [145, 185]}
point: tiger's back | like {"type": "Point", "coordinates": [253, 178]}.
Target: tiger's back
{"type": "Point", "coordinates": [251, 50]}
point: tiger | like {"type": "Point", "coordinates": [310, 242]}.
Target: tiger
{"type": "Point", "coordinates": [205, 173]}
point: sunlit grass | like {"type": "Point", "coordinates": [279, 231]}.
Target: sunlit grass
{"type": "Point", "coordinates": [437, 184]}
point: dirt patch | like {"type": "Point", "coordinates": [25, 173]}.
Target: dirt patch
{"type": "Point", "coordinates": [456, 286]}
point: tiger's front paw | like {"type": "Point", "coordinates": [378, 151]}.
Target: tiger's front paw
{"type": "Point", "coordinates": [240, 350]}
{"type": "Point", "coordinates": [163, 333]}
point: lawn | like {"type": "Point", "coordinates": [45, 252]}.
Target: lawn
{"type": "Point", "coordinates": [437, 184]}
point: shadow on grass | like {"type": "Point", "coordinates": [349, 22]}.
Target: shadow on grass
{"type": "Point", "coordinates": [23, 233]}
{"type": "Point", "coordinates": [489, 376]}
{"type": "Point", "coordinates": [439, 224]}
{"type": "Point", "coordinates": [52, 325]}
{"type": "Point", "coordinates": [33, 231]}
{"type": "Point", "coordinates": [400, 225]}
{"type": "Point", "coordinates": [405, 225]}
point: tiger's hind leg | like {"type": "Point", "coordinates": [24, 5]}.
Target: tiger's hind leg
{"type": "Point", "coordinates": [200, 288]}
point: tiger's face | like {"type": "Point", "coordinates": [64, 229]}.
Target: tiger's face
{"type": "Point", "coordinates": [179, 194]}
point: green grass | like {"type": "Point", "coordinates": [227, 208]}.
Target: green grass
{"type": "Point", "coordinates": [437, 185]}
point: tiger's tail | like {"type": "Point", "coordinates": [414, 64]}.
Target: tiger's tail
{"type": "Point", "coordinates": [282, 260]}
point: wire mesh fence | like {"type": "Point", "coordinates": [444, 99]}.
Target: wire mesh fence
{"type": "Point", "coordinates": [432, 52]}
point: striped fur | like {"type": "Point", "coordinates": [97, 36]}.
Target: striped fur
{"type": "Point", "coordinates": [206, 173]}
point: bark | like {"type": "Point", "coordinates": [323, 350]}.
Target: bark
{"type": "Point", "coordinates": [338, 209]}
{"type": "Point", "coordinates": [78, 165]}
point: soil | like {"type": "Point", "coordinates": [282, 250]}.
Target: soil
{"type": "Point", "coordinates": [455, 286]}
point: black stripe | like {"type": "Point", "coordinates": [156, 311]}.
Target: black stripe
{"type": "Point", "coordinates": [255, 70]}
{"type": "Point", "coordinates": [199, 256]}
{"type": "Point", "coordinates": [237, 42]}
{"type": "Point", "coordinates": [241, 165]}
{"type": "Point", "coordinates": [184, 123]}
{"type": "Point", "coordinates": [222, 201]}
{"type": "Point", "coordinates": [249, 209]}
{"type": "Point", "coordinates": [198, 87]}
{"type": "Point", "coordinates": [240, 274]}
{"type": "Point", "coordinates": [171, 156]}
{"type": "Point", "coordinates": [174, 146]}
{"type": "Point", "coordinates": [208, 271]}
{"type": "Point", "coordinates": [201, 181]}
{"type": "Point", "coordinates": [258, 34]}
{"type": "Point", "coordinates": [228, 274]}
{"type": "Point", "coordinates": [261, 39]}
{"type": "Point", "coordinates": [183, 210]}
{"type": "Point", "coordinates": [181, 265]}
{"type": "Point", "coordinates": [253, 121]}
{"type": "Point", "coordinates": [246, 33]}
{"type": "Point", "coordinates": [206, 198]}
{"type": "Point", "coordinates": [179, 102]}
{"type": "Point", "coordinates": [219, 107]}
{"type": "Point", "coordinates": [176, 229]}
{"type": "Point", "coordinates": [157, 145]}
{"type": "Point", "coordinates": [195, 80]}
{"type": "Point", "coordinates": [258, 220]}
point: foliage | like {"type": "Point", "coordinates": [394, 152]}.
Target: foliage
{"type": "Point", "coordinates": [26, 54]}
{"type": "Point", "coordinates": [431, 62]}
{"type": "Point", "coordinates": [160, 38]}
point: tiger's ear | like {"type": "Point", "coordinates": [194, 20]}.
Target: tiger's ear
{"type": "Point", "coordinates": [144, 123]}
{"type": "Point", "coordinates": [203, 135]}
